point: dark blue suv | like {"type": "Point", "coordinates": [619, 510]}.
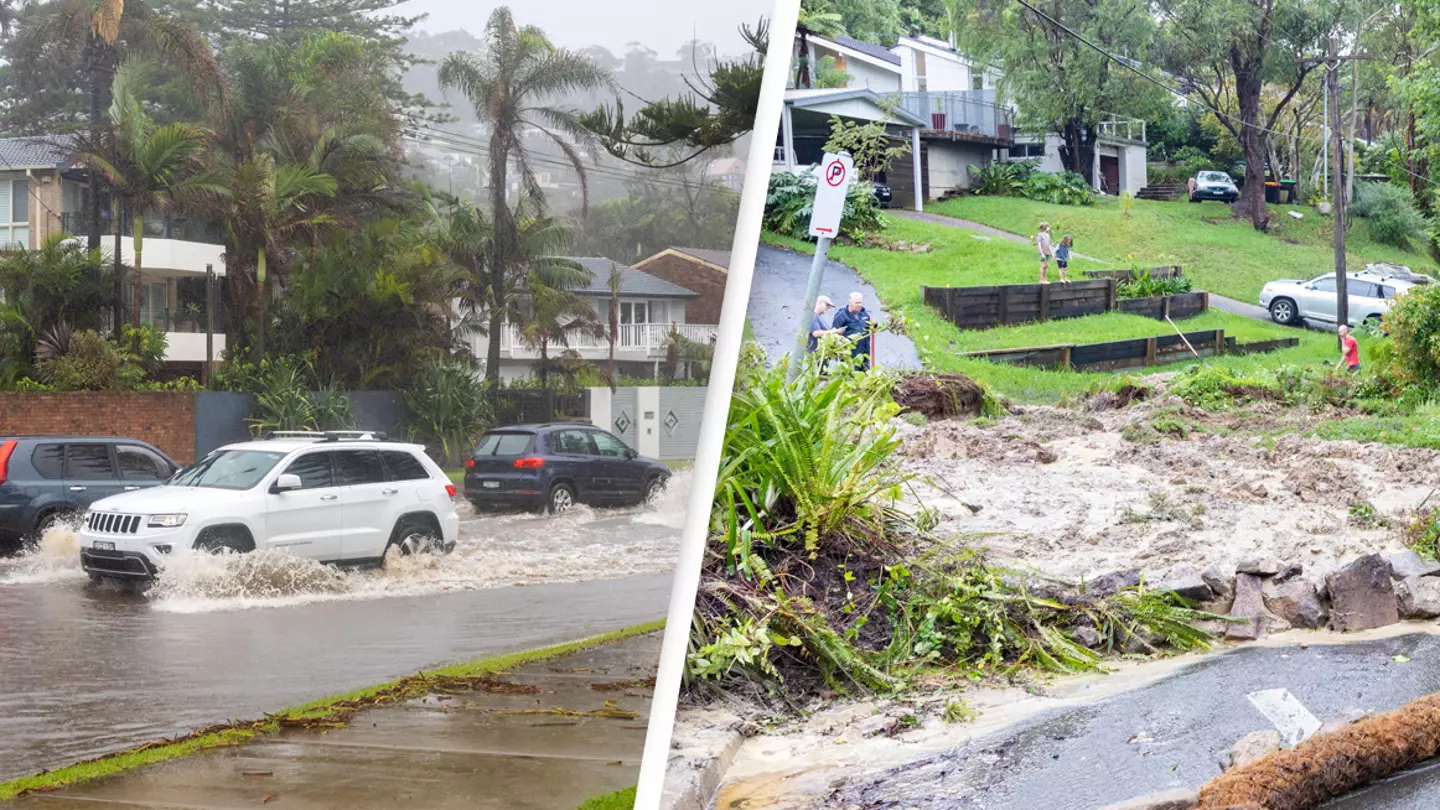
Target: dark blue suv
{"type": "Point", "coordinates": [555, 466]}
{"type": "Point", "coordinates": [48, 479]}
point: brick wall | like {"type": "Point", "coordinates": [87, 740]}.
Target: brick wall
{"type": "Point", "coordinates": [166, 421]}
{"type": "Point", "coordinates": [693, 275]}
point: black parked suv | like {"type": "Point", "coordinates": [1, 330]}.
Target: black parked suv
{"type": "Point", "coordinates": [48, 479]}
{"type": "Point", "coordinates": [554, 466]}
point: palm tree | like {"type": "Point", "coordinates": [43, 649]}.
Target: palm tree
{"type": "Point", "coordinates": [148, 166]}
{"type": "Point", "coordinates": [509, 84]}
{"type": "Point", "coordinates": [554, 316]}
{"type": "Point", "coordinates": [817, 18]}
{"type": "Point", "coordinates": [614, 283]}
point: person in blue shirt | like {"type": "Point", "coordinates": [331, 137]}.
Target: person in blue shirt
{"type": "Point", "coordinates": [854, 321]}
{"type": "Point", "coordinates": [818, 327]}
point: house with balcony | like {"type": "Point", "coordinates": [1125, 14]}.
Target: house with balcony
{"type": "Point", "coordinates": [650, 309]}
{"type": "Point", "coordinates": [951, 109]}
{"type": "Point", "coordinates": [45, 190]}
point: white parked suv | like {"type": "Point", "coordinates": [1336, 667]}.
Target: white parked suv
{"type": "Point", "coordinates": [339, 497]}
{"type": "Point", "coordinates": [1368, 293]}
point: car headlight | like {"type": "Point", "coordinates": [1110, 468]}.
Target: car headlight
{"type": "Point", "coordinates": [166, 521]}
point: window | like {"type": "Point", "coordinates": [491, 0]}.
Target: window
{"type": "Point", "coordinates": [20, 201]}
{"type": "Point", "coordinates": [229, 469]}
{"type": "Point", "coordinates": [14, 213]}
{"type": "Point", "coordinates": [504, 444]}
{"type": "Point", "coordinates": [1326, 284]}
{"type": "Point", "coordinates": [401, 466]}
{"type": "Point", "coordinates": [1362, 289]}
{"type": "Point", "coordinates": [314, 470]}
{"type": "Point", "coordinates": [89, 462]}
{"type": "Point", "coordinates": [570, 442]}
{"type": "Point", "coordinates": [1387, 292]}
{"type": "Point", "coordinates": [609, 445]}
{"type": "Point", "coordinates": [139, 464]}
{"type": "Point", "coordinates": [152, 304]}
{"type": "Point", "coordinates": [977, 81]}
{"type": "Point", "coordinates": [633, 312]}
{"type": "Point", "coordinates": [49, 460]}
{"type": "Point", "coordinates": [354, 467]}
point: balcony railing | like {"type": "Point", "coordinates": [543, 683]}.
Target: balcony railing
{"type": "Point", "coordinates": [647, 337]}
{"type": "Point", "coordinates": [1129, 129]}
{"type": "Point", "coordinates": [972, 114]}
{"type": "Point", "coordinates": [77, 223]}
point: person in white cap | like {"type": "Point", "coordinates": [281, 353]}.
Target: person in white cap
{"type": "Point", "coordinates": [854, 323]}
{"type": "Point", "coordinates": [818, 327]}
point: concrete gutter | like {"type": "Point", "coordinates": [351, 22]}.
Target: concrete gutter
{"type": "Point", "coordinates": [704, 747]}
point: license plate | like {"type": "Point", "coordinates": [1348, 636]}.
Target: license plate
{"type": "Point", "coordinates": [490, 484]}
{"type": "Point", "coordinates": [104, 545]}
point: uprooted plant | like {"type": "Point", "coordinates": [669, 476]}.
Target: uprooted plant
{"type": "Point", "coordinates": [818, 573]}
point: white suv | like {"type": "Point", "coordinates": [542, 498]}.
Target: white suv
{"type": "Point", "coordinates": [339, 497]}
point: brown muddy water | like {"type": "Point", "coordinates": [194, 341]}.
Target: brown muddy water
{"type": "Point", "coordinates": [87, 670]}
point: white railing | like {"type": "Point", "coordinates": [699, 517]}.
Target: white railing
{"type": "Point", "coordinates": [647, 337]}
{"type": "Point", "coordinates": [1123, 128]}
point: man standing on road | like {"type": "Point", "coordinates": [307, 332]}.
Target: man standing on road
{"type": "Point", "coordinates": [1349, 352]}
{"type": "Point", "coordinates": [854, 323]}
{"type": "Point", "coordinates": [818, 327]}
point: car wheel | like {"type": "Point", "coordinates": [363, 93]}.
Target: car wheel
{"type": "Point", "coordinates": [562, 498]}
{"type": "Point", "coordinates": [45, 524]}
{"type": "Point", "coordinates": [415, 537]}
{"type": "Point", "coordinates": [1374, 322]}
{"type": "Point", "coordinates": [654, 489]}
{"type": "Point", "coordinates": [1282, 311]}
{"type": "Point", "coordinates": [223, 541]}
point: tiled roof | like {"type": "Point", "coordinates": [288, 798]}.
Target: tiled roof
{"type": "Point", "coordinates": [632, 281]}
{"type": "Point", "coordinates": [35, 152]}
{"type": "Point", "coordinates": [869, 49]}
{"type": "Point", "coordinates": [720, 258]}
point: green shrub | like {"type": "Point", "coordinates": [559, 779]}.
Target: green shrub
{"type": "Point", "coordinates": [89, 362]}
{"type": "Point", "coordinates": [1391, 217]}
{"type": "Point", "coordinates": [791, 198]}
{"type": "Point", "coordinates": [1059, 188]}
{"type": "Point", "coordinates": [1145, 285]}
{"type": "Point", "coordinates": [290, 398]}
{"type": "Point", "coordinates": [1414, 324]}
{"type": "Point", "coordinates": [998, 180]}
{"type": "Point", "coordinates": [446, 408]}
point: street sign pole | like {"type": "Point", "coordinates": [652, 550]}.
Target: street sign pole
{"type": "Point", "coordinates": [836, 173]}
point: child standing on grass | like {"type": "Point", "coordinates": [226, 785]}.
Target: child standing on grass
{"type": "Point", "coordinates": [1062, 256]}
{"type": "Point", "coordinates": [1349, 352]}
{"type": "Point", "coordinates": [1042, 241]}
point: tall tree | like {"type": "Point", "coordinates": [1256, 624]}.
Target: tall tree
{"type": "Point", "coordinates": [817, 18]}
{"type": "Point", "coordinates": [554, 316]}
{"type": "Point", "coordinates": [512, 85]}
{"type": "Point", "coordinates": [149, 167]}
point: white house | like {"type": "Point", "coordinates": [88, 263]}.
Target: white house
{"type": "Point", "coordinates": [950, 109]}
{"type": "Point", "coordinates": [44, 191]}
{"type": "Point", "coordinates": [650, 309]}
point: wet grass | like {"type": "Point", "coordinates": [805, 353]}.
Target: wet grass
{"type": "Point", "coordinates": [958, 260]}
{"type": "Point", "coordinates": [619, 800]}
{"type": "Point", "coordinates": [1222, 255]}
{"type": "Point", "coordinates": [324, 713]}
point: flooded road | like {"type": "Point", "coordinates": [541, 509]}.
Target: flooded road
{"type": "Point", "coordinates": [87, 670]}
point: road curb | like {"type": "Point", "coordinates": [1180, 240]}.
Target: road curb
{"type": "Point", "coordinates": [703, 751]}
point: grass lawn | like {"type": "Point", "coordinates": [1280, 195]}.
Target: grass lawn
{"type": "Point", "coordinates": [324, 712]}
{"type": "Point", "coordinates": [958, 259]}
{"type": "Point", "coordinates": [1223, 255]}
{"type": "Point", "coordinates": [619, 800]}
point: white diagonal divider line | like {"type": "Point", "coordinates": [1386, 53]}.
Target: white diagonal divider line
{"type": "Point", "coordinates": [1287, 713]}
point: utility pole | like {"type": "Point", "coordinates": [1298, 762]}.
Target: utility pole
{"type": "Point", "coordinates": [1332, 85]}
{"type": "Point", "coordinates": [210, 326]}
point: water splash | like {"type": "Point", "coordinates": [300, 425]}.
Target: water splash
{"type": "Point", "coordinates": [56, 558]}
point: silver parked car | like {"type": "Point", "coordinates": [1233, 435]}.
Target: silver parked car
{"type": "Point", "coordinates": [1369, 294]}
{"type": "Point", "coordinates": [1213, 186]}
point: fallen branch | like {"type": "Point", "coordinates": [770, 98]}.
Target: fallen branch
{"type": "Point", "coordinates": [1182, 336]}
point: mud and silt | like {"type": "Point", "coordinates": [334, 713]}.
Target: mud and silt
{"type": "Point", "coordinates": [1074, 493]}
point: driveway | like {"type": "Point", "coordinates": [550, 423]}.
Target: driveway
{"type": "Point", "coordinates": [781, 277]}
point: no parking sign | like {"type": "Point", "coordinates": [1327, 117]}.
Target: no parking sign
{"type": "Point", "coordinates": [836, 173]}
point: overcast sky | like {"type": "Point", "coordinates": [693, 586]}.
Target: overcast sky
{"type": "Point", "coordinates": [661, 26]}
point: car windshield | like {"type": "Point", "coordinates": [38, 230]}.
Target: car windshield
{"type": "Point", "coordinates": [228, 469]}
{"type": "Point", "coordinates": [504, 444]}
{"type": "Point", "coordinates": [1215, 177]}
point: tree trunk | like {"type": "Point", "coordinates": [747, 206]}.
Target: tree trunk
{"type": "Point", "coordinates": [139, 239]}
{"type": "Point", "coordinates": [260, 294]}
{"type": "Point", "coordinates": [1252, 199]}
{"type": "Point", "coordinates": [505, 239]}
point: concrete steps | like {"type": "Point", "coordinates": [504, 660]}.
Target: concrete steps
{"type": "Point", "coordinates": [1164, 192]}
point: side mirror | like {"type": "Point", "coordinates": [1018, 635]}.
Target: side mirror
{"type": "Point", "coordinates": [286, 482]}
{"type": "Point", "coordinates": [631, 454]}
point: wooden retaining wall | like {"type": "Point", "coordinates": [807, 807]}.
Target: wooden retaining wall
{"type": "Point", "coordinates": [1134, 353]}
{"type": "Point", "coordinates": [1009, 304]}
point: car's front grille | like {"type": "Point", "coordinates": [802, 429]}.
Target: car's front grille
{"type": "Point", "coordinates": [111, 523]}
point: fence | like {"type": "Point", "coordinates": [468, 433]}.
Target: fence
{"type": "Point", "coordinates": [516, 406]}
{"type": "Point", "coordinates": [1009, 304]}
{"type": "Point", "coordinates": [1134, 353]}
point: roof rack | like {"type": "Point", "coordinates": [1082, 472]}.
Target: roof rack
{"type": "Point", "coordinates": [330, 435]}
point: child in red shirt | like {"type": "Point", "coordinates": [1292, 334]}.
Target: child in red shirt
{"type": "Point", "coordinates": [1349, 351]}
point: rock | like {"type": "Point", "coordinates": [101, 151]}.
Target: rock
{"type": "Point", "coordinates": [1361, 595]}
{"type": "Point", "coordinates": [1249, 604]}
{"type": "Point", "coordinates": [1187, 583]}
{"type": "Point", "coordinates": [1251, 747]}
{"type": "Point", "coordinates": [1344, 718]}
{"type": "Point", "coordinates": [1258, 490]}
{"type": "Point", "coordinates": [1176, 799]}
{"type": "Point", "coordinates": [1222, 586]}
{"type": "Point", "coordinates": [1295, 601]}
{"type": "Point", "coordinates": [1290, 571]}
{"type": "Point", "coordinates": [1086, 636]}
{"type": "Point", "coordinates": [1266, 567]}
{"type": "Point", "coordinates": [1107, 584]}
{"type": "Point", "coordinates": [1045, 455]}
{"type": "Point", "coordinates": [1142, 644]}
{"type": "Point", "coordinates": [1407, 563]}
{"type": "Point", "coordinates": [1418, 597]}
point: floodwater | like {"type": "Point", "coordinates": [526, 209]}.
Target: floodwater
{"type": "Point", "coordinates": [91, 669]}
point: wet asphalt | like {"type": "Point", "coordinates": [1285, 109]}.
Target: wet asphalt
{"type": "Point", "coordinates": [1169, 734]}
{"type": "Point", "coordinates": [780, 281]}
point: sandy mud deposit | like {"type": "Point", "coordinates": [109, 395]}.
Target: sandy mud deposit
{"type": "Point", "coordinates": [1065, 492]}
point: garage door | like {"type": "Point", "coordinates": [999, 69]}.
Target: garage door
{"type": "Point", "coordinates": [901, 178]}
